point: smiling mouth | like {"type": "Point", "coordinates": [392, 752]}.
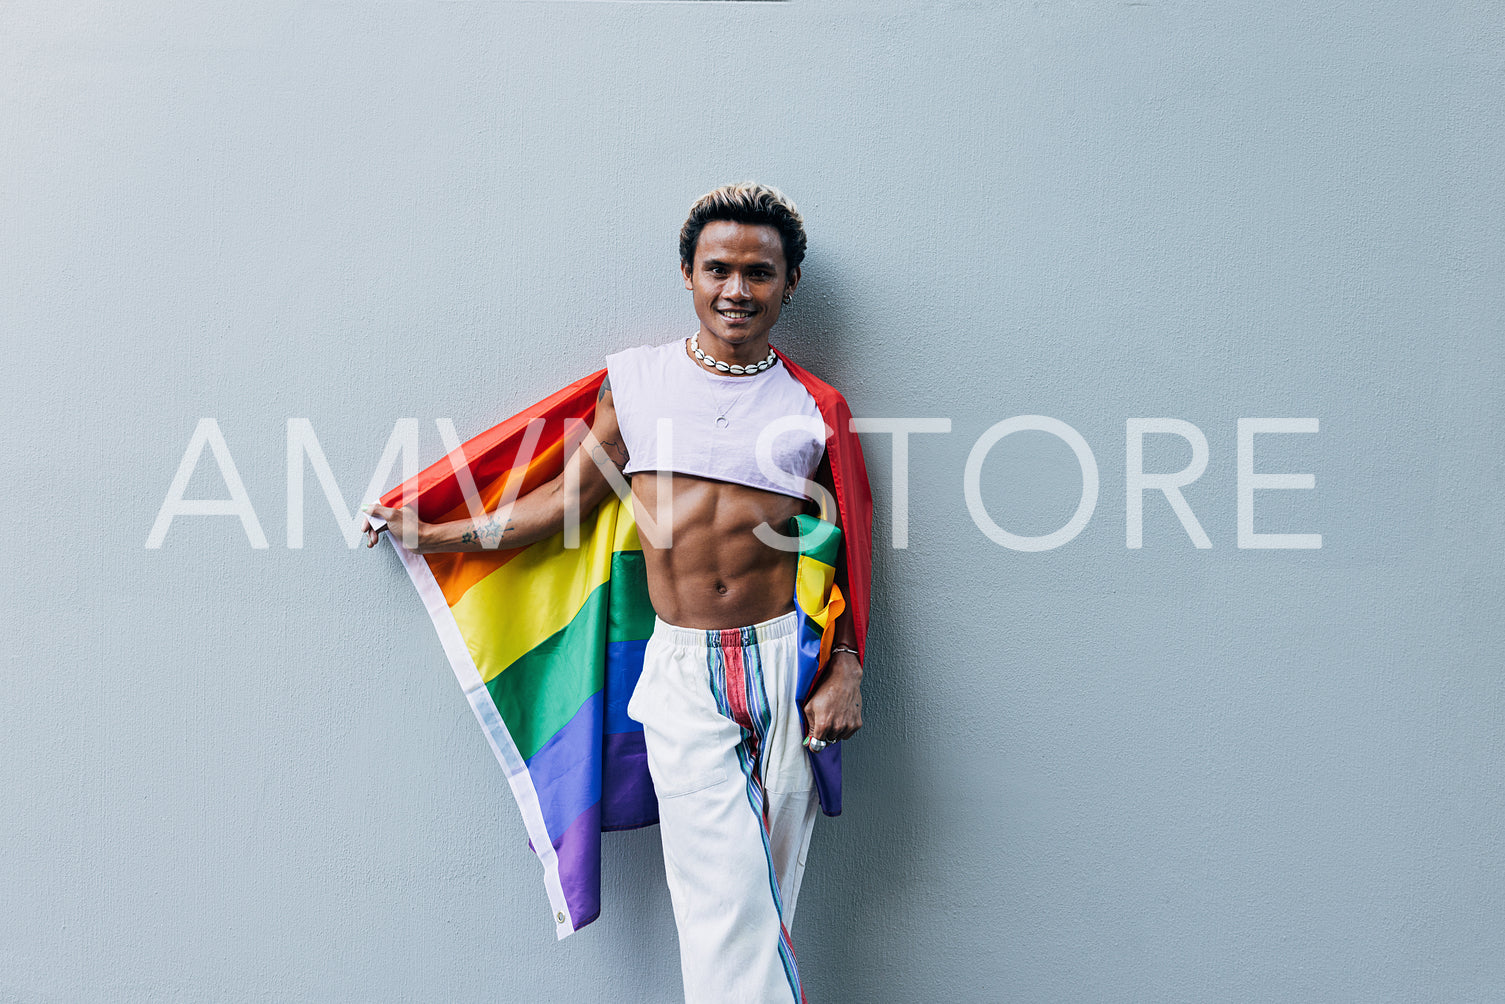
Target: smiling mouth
{"type": "Point", "coordinates": [735, 315]}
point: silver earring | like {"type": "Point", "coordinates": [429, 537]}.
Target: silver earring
{"type": "Point", "coordinates": [788, 298]}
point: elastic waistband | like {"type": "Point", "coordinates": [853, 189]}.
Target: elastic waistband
{"type": "Point", "coordinates": [769, 630]}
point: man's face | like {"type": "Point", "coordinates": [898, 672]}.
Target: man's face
{"type": "Point", "coordinates": [739, 279]}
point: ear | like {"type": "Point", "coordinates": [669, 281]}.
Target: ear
{"type": "Point", "coordinates": [794, 279]}
{"type": "Point", "coordinates": [688, 273]}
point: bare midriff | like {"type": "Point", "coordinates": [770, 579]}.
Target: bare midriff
{"type": "Point", "coordinates": [716, 573]}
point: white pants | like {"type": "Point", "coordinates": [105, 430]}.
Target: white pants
{"type": "Point", "coordinates": [736, 802]}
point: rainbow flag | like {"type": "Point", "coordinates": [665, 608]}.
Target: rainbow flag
{"type": "Point", "coordinates": [547, 641]}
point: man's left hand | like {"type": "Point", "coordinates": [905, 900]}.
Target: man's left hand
{"type": "Point", "coordinates": [834, 711]}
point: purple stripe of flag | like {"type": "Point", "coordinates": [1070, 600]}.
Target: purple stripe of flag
{"type": "Point", "coordinates": [579, 851]}
{"type": "Point", "coordinates": [628, 799]}
{"type": "Point", "coordinates": [565, 770]}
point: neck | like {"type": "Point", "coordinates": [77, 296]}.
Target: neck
{"type": "Point", "coordinates": [752, 351]}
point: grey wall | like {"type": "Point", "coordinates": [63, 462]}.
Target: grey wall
{"type": "Point", "coordinates": [1092, 773]}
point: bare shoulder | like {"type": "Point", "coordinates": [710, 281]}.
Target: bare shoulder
{"type": "Point", "coordinates": [606, 408]}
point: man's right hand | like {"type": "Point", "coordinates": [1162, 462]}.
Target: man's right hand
{"type": "Point", "coordinates": [403, 522]}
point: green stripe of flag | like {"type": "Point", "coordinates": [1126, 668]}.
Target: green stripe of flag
{"type": "Point", "coordinates": [539, 693]}
{"type": "Point", "coordinates": [819, 538]}
{"type": "Point", "coordinates": [631, 613]}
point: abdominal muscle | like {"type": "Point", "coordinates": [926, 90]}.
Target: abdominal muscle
{"type": "Point", "coordinates": [716, 573]}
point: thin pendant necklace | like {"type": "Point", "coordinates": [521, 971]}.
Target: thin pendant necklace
{"type": "Point", "coordinates": [723, 411]}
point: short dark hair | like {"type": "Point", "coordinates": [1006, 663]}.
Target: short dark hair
{"type": "Point", "coordinates": [745, 202]}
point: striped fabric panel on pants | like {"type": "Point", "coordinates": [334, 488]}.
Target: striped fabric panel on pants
{"type": "Point", "coordinates": [736, 673]}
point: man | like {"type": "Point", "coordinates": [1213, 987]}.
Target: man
{"type": "Point", "coordinates": [717, 698]}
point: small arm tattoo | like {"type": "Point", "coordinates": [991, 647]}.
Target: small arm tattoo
{"type": "Point", "coordinates": [613, 451]}
{"type": "Point", "coordinates": [605, 389]}
{"type": "Point", "coordinates": [488, 534]}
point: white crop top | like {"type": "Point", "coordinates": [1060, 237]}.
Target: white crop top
{"type": "Point", "coordinates": [715, 421]}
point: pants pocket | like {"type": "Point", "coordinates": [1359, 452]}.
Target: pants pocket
{"type": "Point", "coordinates": [683, 755]}
{"type": "Point", "coordinates": [678, 784]}
{"type": "Point", "coordinates": [687, 739]}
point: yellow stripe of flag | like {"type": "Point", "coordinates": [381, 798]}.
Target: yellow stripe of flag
{"type": "Point", "coordinates": [522, 603]}
{"type": "Point", "coordinates": [812, 584]}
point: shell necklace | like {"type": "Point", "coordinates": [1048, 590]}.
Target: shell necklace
{"type": "Point", "coordinates": [732, 368]}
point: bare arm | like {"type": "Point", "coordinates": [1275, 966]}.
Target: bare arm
{"type": "Point", "coordinates": [536, 515]}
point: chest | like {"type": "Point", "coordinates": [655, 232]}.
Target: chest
{"type": "Point", "coordinates": [763, 431]}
